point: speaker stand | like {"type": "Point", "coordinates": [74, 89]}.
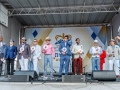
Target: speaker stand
{"type": "Point", "coordinates": [91, 80]}
{"type": "Point", "coordinates": [94, 81]}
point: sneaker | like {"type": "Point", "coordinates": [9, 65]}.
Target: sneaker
{"type": "Point", "coordinates": [45, 78]}
{"type": "Point", "coordinates": [51, 76]}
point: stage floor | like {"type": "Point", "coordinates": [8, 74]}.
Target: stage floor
{"type": "Point", "coordinates": [55, 85]}
{"type": "Point", "coordinates": [59, 86]}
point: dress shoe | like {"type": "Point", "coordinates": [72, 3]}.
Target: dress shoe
{"type": "Point", "coordinates": [117, 76]}
{"type": "Point", "coordinates": [60, 75]}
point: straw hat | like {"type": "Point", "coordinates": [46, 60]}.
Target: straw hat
{"type": "Point", "coordinates": [112, 40]}
{"type": "Point", "coordinates": [47, 39]}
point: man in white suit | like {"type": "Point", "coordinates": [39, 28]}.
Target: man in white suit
{"type": "Point", "coordinates": [77, 50]}
{"type": "Point", "coordinates": [113, 52]}
{"type": "Point", "coordinates": [36, 52]}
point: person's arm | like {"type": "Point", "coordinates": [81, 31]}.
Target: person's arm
{"type": "Point", "coordinates": [18, 50]}
{"type": "Point", "coordinates": [82, 49]}
{"type": "Point", "coordinates": [107, 51]}
{"type": "Point", "coordinates": [59, 41]}
{"type": "Point", "coordinates": [69, 42]}
{"type": "Point", "coordinates": [29, 51]}
{"type": "Point", "coordinates": [100, 51]}
{"type": "Point", "coordinates": [60, 49]}
{"type": "Point", "coordinates": [73, 50]}
{"type": "Point", "coordinates": [4, 47]}
{"type": "Point", "coordinates": [53, 52]}
{"type": "Point", "coordinates": [119, 51]}
{"type": "Point", "coordinates": [91, 51]}
{"type": "Point", "coordinates": [39, 51]}
{"type": "Point", "coordinates": [43, 50]}
{"type": "Point", "coordinates": [15, 51]}
{"type": "Point", "coordinates": [5, 53]}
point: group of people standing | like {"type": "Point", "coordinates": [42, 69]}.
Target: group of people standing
{"type": "Point", "coordinates": [66, 49]}
{"type": "Point", "coordinates": [113, 52]}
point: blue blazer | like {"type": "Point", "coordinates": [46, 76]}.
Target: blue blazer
{"type": "Point", "coordinates": [10, 53]}
{"type": "Point", "coordinates": [62, 44]}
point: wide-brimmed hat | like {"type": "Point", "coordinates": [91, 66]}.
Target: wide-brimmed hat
{"type": "Point", "coordinates": [111, 40]}
{"type": "Point", "coordinates": [47, 39]}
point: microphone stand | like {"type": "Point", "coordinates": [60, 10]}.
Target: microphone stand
{"type": "Point", "coordinates": [84, 69]}
{"type": "Point", "coordinates": [84, 74]}
{"type": "Point", "coordinates": [54, 71]}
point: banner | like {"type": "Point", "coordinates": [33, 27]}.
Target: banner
{"type": "Point", "coordinates": [86, 34]}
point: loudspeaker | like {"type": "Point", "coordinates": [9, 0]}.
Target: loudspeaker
{"type": "Point", "coordinates": [18, 78]}
{"type": "Point", "coordinates": [106, 75]}
{"type": "Point", "coordinates": [73, 78]}
{"type": "Point", "coordinates": [30, 75]}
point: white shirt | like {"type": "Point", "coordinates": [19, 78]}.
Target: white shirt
{"type": "Point", "coordinates": [37, 52]}
{"type": "Point", "coordinates": [80, 47]}
{"type": "Point", "coordinates": [23, 45]}
{"type": "Point", "coordinates": [94, 50]}
{"type": "Point", "coordinates": [0, 44]}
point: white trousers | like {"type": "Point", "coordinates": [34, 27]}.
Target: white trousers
{"type": "Point", "coordinates": [23, 63]}
{"type": "Point", "coordinates": [116, 65]}
{"type": "Point", "coordinates": [35, 64]}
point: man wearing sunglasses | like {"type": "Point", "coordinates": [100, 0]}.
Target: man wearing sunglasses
{"type": "Point", "coordinates": [36, 52]}
{"type": "Point", "coordinates": [24, 54]}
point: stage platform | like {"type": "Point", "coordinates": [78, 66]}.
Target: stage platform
{"type": "Point", "coordinates": [58, 85]}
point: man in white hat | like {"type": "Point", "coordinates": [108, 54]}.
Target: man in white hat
{"type": "Point", "coordinates": [113, 52]}
{"type": "Point", "coordinates": [49, 54]}
{"type": "Point", "coordinates": [24, 54]}
{"type": "Point", "coordinates": [95, 51]}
